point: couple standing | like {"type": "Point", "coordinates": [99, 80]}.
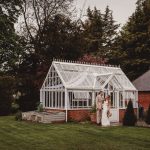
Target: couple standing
{"type": "Point", "coordinates": [103, 109]}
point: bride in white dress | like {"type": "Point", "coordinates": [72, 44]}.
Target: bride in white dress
{"type": "Point", "coordinates": [105, 119]}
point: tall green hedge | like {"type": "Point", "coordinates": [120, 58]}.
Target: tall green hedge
{"type": "Point", "coordinates": [6, 91]}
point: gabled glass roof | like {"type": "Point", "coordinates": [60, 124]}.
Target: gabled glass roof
{"type": "Point", "coordinates": [92, 77]}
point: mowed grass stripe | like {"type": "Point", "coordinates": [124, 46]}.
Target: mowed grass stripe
{"type": "Point", "coordinates": [71, 136]}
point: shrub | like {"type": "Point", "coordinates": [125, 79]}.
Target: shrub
{"type": "Point", "coordinates": [141, 112]}
{"type": "Point", "coordinates": [40, 107]}
{"type": "Point", "coordinates": [148, 115]}
{"type": "Point", "coordinates": [6, 91]}
{"type": "Point", "coordinates": [18, 116]}
{"type": "Point", "coordinates": [93, 109]}
{"type": "Point", "coordinates": [14, 107]}
{"type": "Point", "coordinates": [29, 93]}
{"type": "Point", "coordinates": [129, 117]}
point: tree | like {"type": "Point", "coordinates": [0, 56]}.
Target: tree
{"type": "Point", "coordinates": [60, 39]}
{"type": "Point", "coordinates": [100, 31]}
{"type": "Point", "coordinates": [10, 47]}
{"type": "Point", "coordinates": [148, 115]}
{"type": "Point", "coordinates": [109, 30]}
{"type": "Point", "coordinates": [49, 33]}
{"type": "Point", "coordinates": [93, 31]}
{"type": "Point", "coordinates": [37, 14]}
{"type": "Point", "coordinates": [129, 117]}
{"type": "Point", "coordinates": [11, 52]}
{"type": "Point", "coordinates": [132, 47]}
{"type": "Point", "coordinates": [40, 28]}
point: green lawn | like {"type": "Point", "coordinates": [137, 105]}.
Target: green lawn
{"type": "Point", "coordinates": [30, 136]}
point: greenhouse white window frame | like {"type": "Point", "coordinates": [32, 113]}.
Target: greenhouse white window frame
{"type": "Point", "coordinates": [74, 86]}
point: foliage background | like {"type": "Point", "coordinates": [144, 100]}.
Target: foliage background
{"type": "Point", "coordinates": [49, 31]}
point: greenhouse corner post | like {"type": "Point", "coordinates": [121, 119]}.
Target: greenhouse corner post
{"type": "Point", "coordinates": [66, 102]}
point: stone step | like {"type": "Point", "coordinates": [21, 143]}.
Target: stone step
{"type": "Point", "coordinates": [115, 124]}
{"type": "Point", "coordinates": [44, 117]}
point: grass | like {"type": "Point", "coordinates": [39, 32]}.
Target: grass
{"type": "Point", "coordinates": [16, 135]}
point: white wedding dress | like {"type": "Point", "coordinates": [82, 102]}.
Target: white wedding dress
{"type": "Point", "coordinates": [105, 120]}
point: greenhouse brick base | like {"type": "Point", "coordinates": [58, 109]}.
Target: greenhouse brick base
{"type": "Point", "coordinates": [84, 115]}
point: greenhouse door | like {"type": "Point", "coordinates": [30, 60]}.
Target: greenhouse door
{"type": "Point", "coordinates": [114, 106]}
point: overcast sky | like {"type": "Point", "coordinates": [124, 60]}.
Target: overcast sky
{"type": "Point", "coordinates": [122, 9]}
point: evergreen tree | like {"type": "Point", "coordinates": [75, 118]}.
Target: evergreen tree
{"type": "Point", "coordinates": [100, 31]}
{"type": "Point", "coordinates": [93, 31]}
{"type": "Point", "coordinates": [109, 31]}
{"type": "Point", "coordinates": [129, 117]}
{"type": "Point", "coordinates": [148, 115]}
{"type": "Point", "coordinates": [132, 47]}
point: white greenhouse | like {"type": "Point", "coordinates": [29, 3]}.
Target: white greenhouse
{"type": "Point", "coordinates": [73, 86]}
